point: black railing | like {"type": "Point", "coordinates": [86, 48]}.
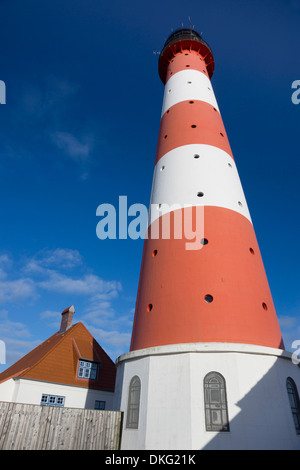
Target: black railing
{"type": "Point", "coordinates": [182, 34]}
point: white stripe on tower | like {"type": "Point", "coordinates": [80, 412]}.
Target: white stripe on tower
{"type": "Point", "coordinates": [197, 175]}
{"type": "Point", "coordinates": [188, 85]}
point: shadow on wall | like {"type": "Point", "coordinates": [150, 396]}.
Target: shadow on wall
{"type": "Point", "coordinates": [268, 416]}
{"type": "Point", "coordinates": [101, 379]}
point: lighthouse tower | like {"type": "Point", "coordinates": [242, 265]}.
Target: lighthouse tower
{"type": "Point", "coordinates": [207, 368]}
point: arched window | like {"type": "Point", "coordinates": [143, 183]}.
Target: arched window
{"type": "Point", "coordinates": [294, 402]}
{"type": "Point", "coordinates": [133, 408]}
{"type": "Point", "coordinates": [215, 402]}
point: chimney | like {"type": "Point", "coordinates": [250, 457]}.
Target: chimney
{"type": "Point", "coordinates": [66, 319]}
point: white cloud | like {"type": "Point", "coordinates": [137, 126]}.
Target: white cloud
{"type": "Point", "coordinates": [5, 260]}
{"type": "Point", "coordinates": [18, 289]}
{"type": "Point", "coordinates": [88, 284]}
{"type": "Point", "coordinates": [62, 257]}
{"type": "Point", "coordinates": [13, 329]}
{"type": "Point", "coordinates": [52, 314]}
{"type": "Point", "coordinates": [63, 274]}
{"type": "Point", "coordinates": [59, 258]}
{"type": "Point", "coordinates": [102, 309]}
{"type": "Point", "coordinates": [288, 321]}
{"type": "Point", "coordinates": [15, 348]}
{"type": "Point", "coordinates": [116, 339]}
{"type": "Point", "coordinates": [3, 274]}
{"type": "Point", "coordinates": [5, 264]}
{"type": "Point", "coordinates": [49, 104]}
{"type": "Point", "coordinates": [48, 269]}
{"type": "Point", "coordinates": [3, 314]}
{"type": "Point", "coordinates": [51, 318]}
{"type": "Point", "coordinates": [79, 150]}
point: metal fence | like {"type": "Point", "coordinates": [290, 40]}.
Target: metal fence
{"type": "Point", "coordinates": [35, 427]}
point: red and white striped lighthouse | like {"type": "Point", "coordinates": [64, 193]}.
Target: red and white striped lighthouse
{"type": "Point", "coordinates": [205, 319]}
{"type": "Point", "coordinates": [220, 292]}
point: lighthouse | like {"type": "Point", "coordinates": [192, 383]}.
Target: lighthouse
{"type": "Point", "coordinates": [207, 367]}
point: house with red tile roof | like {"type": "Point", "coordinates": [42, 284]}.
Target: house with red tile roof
{"type": "Point", "coordinates": [68, 369]}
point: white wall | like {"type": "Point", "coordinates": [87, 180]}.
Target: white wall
{"type": "Point", "coordinates": [133, 438]}
{"type": "Point", "coordinates": [6, 390]}
{"type": "Point", "coordinates": [172, 397]}
{"type": "Point", "coordinates": [30, 391]}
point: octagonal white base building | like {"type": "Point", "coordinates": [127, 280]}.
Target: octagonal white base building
{"type": "Point", "coordinates": [174, 410]}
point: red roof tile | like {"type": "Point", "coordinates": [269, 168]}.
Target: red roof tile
{"type": "Point", "coordinates": [56, 360]}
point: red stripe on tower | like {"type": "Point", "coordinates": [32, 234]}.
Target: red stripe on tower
{"type": "Point", "coordinates": [220, 292]}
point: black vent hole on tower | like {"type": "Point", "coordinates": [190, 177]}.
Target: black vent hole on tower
{"type": "Point", "coordinates": [208, 298]}
{"type": "Point", "coordinates": [196, 155]}
{"type": "Point", "coordinates": [221, 134]}
{"type": "Point", "coordinates": [191, 102]}
{"type": "Point", "coordinates": [264, 306]}
{"type": "Point", "coordinates": [251, 251]}
{"type": "Point", "coordinates": [149, 308]}
{"type": "Point", "coordinates": [193, 126]}
{"type": "Point", "coordinates": [200, 194]}
{"type": "Point", "coordinates": [165, 136]}
{"type": "Point", "coordinates": [154, 253]}
{"type": "Point", "coordinates": [204, 241]}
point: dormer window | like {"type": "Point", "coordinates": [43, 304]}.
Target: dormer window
{"type": "Point", "coordinates": [87, 370]}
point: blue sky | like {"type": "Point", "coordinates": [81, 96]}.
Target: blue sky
{"type": "Point", "coordinates": [80, 128]}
